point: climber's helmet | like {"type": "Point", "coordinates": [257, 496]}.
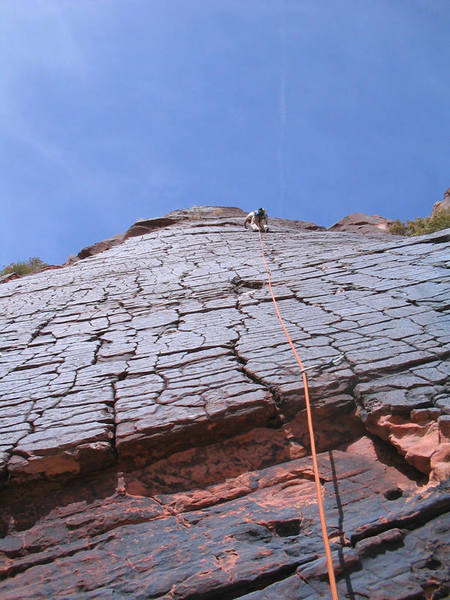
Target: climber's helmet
{"type": "Point", "coordinates": [261, 212]}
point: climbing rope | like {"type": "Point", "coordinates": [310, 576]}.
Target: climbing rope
{"type": "Point", "coordinates": [323, 523]}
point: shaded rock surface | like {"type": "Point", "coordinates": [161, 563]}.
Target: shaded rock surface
{"type": "Point", "coordinates": [152, 423]}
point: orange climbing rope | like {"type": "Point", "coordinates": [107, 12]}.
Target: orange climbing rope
{"type": "Point", "coordinates": [323, 523]}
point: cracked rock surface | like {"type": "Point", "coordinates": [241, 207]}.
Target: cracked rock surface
{"type": "Point", "coordinates": [153, 438]}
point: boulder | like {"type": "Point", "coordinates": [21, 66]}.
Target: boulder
{"type": "Point", "coordinates": [362, 223]}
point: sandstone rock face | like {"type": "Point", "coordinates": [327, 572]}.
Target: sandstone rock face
{"type": "Point", "coordinates": [361, 223]}
{"type": "Point", "coordinates": [153, 435]}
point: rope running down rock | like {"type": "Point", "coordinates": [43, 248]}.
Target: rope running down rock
{"type": "Point", "coordinates": [331, 576]}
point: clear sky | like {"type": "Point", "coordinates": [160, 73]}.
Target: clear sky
{"type": "Point", "coordinates": [114, 110]}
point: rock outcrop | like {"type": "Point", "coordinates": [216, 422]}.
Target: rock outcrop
{"type": "Point", "coordinates": [362, 223]}
{"type": "Point", "coordinates": [152, 420]}
{"type": "Point", "coordinates": [442, 205]}
{"type": "Point", "coordinates": [8, 277]}
{"type": "Point", "coordinates": [98, 247]}
{"type": "Point", "coordinates": [204, 217]}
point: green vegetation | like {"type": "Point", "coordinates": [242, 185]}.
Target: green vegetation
{"type": "Point", "coordinates": [422, 225]}
{"type": "Point", "coordinates": [23, 268]}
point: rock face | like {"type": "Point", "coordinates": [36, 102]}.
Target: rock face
{"type": "Point", "coordinates": [153, 432]}
{"type": "Point", "coordinates": [361, 223]}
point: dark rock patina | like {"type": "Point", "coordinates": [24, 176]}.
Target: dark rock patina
{"type": "Point", "coordinates": [152, 421]}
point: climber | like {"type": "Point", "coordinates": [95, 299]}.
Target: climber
{"type": "Point", "coordinates": [258, 220]}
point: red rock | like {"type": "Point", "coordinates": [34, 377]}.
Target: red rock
{"type": "Point", "coordinates": [362, 223]}
{"type": "Point", "coordinates": [9, 277]}
{"type": "Point", "coordinates": [440, 462]}
{"type": "Point", "coordinates": [417, 442]}
{"type": "Point", "coordinates": [101, 246]}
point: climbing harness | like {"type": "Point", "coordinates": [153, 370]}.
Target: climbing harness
{"type": "Point", "coordinates": [323, 523]}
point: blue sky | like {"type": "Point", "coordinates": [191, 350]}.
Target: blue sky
{"type": "Point", "coordinates": [114, 110]}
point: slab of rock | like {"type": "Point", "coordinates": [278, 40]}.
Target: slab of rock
{"type": "Point", "coordinates": [153, 437]}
